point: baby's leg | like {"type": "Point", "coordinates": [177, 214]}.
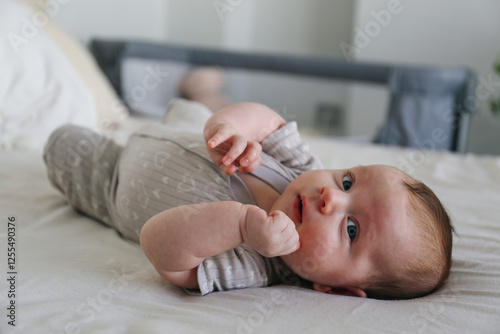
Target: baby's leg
{"type": "Point", "coordinates": [80, 163]}
{"type": "Point", "coordinates": [186, 115]}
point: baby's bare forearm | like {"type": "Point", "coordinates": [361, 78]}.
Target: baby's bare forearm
{"type": "Point", "coordinates": [180, 239]}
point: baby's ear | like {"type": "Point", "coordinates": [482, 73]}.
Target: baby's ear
{"type": "Point", "coordinates": [348, 291]}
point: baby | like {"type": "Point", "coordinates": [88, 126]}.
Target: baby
{"type": "Point", "coordinates": [249, 206]}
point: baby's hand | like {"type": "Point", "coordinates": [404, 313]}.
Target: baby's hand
{"type": "Point", "coordinates": [270, 235]}
{"type": "Point", "coordinates": [230, 151]}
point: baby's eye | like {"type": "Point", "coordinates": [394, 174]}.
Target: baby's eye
{"type": "Point", "coordinates": [352, 230]}
{"type": "Point", "coordinates": [347, 182]}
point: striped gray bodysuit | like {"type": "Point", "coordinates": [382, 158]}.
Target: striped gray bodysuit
{"type": "Point", "coordinates": [161, 168]}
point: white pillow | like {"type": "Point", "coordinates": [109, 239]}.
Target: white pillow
{"type": "Point", "coordinates": [111, 112]}
{"type": "Point", "coordinates": [47, 80]}
{"type": "Point", "coordinates": [148, 85]}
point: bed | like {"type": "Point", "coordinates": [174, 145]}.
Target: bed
{"type": "Point", "coordinates": [74, 275]}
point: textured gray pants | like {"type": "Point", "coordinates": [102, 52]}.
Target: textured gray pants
{"type": "Point", "coordinates": [80, 164]}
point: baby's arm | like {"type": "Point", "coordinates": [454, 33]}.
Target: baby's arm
{"type": "Point", "coordinates": [234, 134]}
{"type": "Point", "coordinates": [253, 121]}
{"type": "Point", "coordinates": [176, 241]}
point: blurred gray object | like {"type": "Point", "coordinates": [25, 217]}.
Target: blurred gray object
{"type": "Point", "coordinates": [429, 107]}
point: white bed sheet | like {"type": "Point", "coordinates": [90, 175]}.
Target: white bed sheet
{"type": "Point", "coordinates": [77, 276]}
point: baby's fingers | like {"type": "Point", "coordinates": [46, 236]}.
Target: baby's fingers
{"type": "Point", "coordinates": [229, 170]}
{"type": "Point", "coordinates": [221, 136]}
{"type": "Point", "coordinates": [252, 167]}
{"type": "Point", "coordinates": [288, 244]}
{"type": "Point", "coordinates": [287, 233]}
{"type": "Point", "coordinates": [238, 146]}
{"type": "Point", "coordinates": [292, 244]}
{"type": "Point", "coordinates": [251, 159]}
{"type": "Point", "coordinates": [292, 241]}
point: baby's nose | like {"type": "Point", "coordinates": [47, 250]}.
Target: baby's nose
{"type": "Point", "coordinates": [331, 200]}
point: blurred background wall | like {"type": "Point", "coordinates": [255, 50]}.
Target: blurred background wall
{"type": "Point", "coordinates": [424, 32]}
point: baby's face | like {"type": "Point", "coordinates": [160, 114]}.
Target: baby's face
{"type": "Point", "coordinates": [352, 224]}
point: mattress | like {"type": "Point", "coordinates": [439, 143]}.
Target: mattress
{"type": "Point", "coordinates": [74, 275]}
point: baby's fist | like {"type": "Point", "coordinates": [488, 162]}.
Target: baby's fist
{"type": "Point", "coordinates": [270, 235]}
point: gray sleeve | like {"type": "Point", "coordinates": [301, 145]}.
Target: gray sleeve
{"type": "Point", "coordinates": [286, 146]}
{"type": "Point", "coordinates": [239, 268]}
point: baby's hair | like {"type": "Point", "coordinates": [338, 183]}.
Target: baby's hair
{"type": "Point", "coordinates": [431, 267]}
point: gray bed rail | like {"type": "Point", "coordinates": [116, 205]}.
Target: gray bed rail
{"type": "Point", "coordinates": [427, 107]}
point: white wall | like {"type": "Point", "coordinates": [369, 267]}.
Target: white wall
{"type": "Point", "coordinates": [85, 19]}
{"type": "Point", "coordinates": [433, 32]}
{"type": "Point", "coordinates": [302, 27]}
{"type": "Point", "coordinates": [311, 28]}
{"type": "Point", "coordinates": [193, 22]}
